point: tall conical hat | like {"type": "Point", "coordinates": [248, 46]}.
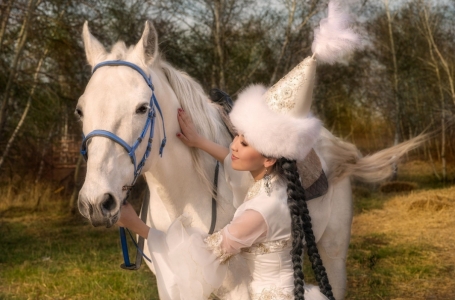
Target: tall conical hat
{"type": "Point", "coordinates": [277, 121]}
{"type": "Point", "coordinates": [293, 94]}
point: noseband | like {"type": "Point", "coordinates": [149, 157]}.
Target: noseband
{"type": "Point", "coordinates": [131, 150]}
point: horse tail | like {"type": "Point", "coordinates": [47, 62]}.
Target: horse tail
{"type": "Point", "coordinates": [344, 159]}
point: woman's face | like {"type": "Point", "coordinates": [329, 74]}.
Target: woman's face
{"type": "Point", "coordinates": [245, 157]}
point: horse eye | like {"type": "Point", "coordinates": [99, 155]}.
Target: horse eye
{"type": "Point", "coordinates": [78, 112]}
{"type": "Point", "coordinates": [142, 109]}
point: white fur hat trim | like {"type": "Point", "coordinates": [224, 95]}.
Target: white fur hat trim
{"type": "Point", "coordinates": [272, 134]}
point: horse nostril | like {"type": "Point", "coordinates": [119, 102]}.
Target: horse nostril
{"type": "Point", "coordinates": [108, 204]}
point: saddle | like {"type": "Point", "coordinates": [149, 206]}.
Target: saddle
{"type": "Point", "coordinates": [312, 176]}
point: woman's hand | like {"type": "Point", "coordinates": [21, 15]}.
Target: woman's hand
{"type": "Point", "coordinates": [188, 135]}
{"type": "Point", "coordinates": [129, 218]}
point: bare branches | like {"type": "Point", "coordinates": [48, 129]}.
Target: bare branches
{"type": "Point", "coordinates": [306, 12]}
{"type": "Point", "coordinates": [17, 56]}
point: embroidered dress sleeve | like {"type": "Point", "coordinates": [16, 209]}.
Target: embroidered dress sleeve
{"type": "Point", "coordinates": [191, 265]}
{"type": "Point", "coordinates": [246, 229]}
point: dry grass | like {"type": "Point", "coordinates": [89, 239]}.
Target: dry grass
{"type": "Point", "coordinates": [25, 193]}
{"type": "Point", "coordinates": [410, 243]}
{"type": "Point", "coordinates": [426, 174]}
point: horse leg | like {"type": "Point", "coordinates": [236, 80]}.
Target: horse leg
{"type": "Point", "coordinates": [334, 242]}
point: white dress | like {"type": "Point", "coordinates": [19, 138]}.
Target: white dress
{"type": "Point", "coordinates": [191, 265]}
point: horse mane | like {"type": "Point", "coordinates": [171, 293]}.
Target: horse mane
{"type": "Point", "coordinates": [204, 113]}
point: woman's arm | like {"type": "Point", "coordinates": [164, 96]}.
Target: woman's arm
{"type": "Point", "coordinates": [129, 219]}
{"type": "Point", "coordinates": [190, 137]}
{"type": "Point", "coordinates": [243, 231]}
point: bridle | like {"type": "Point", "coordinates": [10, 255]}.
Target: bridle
{"type": "Point", "coordinates": [131, 150]}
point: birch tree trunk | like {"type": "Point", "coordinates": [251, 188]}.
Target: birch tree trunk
{"type": "Point", "coordinates": [27, 107]}
{"type": "Point", "coordinates": [428, 33]}
{"type": "Point", "coordinates": [17, 55]}
{"type": "Point", "coordinates": [443, 125]}
{"type": "Point", "coordinates": [441, 57]}
{"type": "Point", "coordinates": [395, 85]}
{"type": "Point", "coordinates": [6, 8]}
{"type": "Point", "coordinates": [218, 33]}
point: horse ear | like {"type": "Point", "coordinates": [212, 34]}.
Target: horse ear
{"type": "Point", "coordinates": [147, 47]}
{"type": "Point", "coordinates": [93, 48]}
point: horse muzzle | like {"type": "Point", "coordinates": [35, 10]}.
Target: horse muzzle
{"type": "Point", "coordinates": [102, 210]}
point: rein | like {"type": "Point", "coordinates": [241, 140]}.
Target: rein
{"type": "Point", "coordinates": [131, 150]}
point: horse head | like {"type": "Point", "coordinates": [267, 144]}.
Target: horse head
{"type": "Point", "coordinates": [117, 101]}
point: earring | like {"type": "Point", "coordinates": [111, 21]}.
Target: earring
{"type": "Point", "coordinates": [267, 183]}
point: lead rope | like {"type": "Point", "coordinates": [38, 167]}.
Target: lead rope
{"type": "Point", "coordinates": [140, 243]}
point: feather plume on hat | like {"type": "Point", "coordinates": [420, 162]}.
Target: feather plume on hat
{"type": "Point", "coordinates": [277, 122]}
{"type": "Point", "coordinates": [334, 38]}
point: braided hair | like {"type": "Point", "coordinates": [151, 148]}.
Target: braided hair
{"type": "Point", "coordinates": [301, 227]}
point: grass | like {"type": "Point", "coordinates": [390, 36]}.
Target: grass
{"type": "Point", "coordinates": [401, 247]}
{"type": "Point", "coordinates": [376, 265]}
{"type": "Point", "coordinates": [47, 256]}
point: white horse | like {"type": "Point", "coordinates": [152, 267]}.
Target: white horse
{"type": "Point", "coordinates": [116, 99]}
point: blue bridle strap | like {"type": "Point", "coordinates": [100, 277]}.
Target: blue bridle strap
{"type": "Point", "coordinates": [112, 137]}
{"type": "Point", "coordinates": [131, 150]}
{"type": "Point", "coordinates": [148, 80]}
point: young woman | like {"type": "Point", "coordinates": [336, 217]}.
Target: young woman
{"type": "Point", "coordinates": [271, 224]}
{"type": "Point", "coordinates": [272, 221]}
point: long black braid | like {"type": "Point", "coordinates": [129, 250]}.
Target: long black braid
{"type": "Point", "coordinates": [301, 227]}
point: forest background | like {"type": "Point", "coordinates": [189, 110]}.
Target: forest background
{"type": "Point", "coordinates": [401, 83]}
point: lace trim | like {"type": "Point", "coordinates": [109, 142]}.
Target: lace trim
{"type": "Point", "coordinates": [268, 247]}
{"type": "Point", "coordinates": [254, 189]}
{"type": "Point", "coordinates": [261, 185]}
{"type": "Point", "coordinates": [214, 243]}
{"type": "Point", "coordinates": [273, 293]}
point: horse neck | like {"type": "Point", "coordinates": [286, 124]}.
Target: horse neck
{"type": "Point", "coordinates": [183, 175]}
{"type": "Point", "coordinates": [176, 180]}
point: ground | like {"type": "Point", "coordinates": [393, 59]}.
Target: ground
{"type": "Point", "coordinates": [405, 249]}
{"type": "Point", "coordinates": [401, 248]}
